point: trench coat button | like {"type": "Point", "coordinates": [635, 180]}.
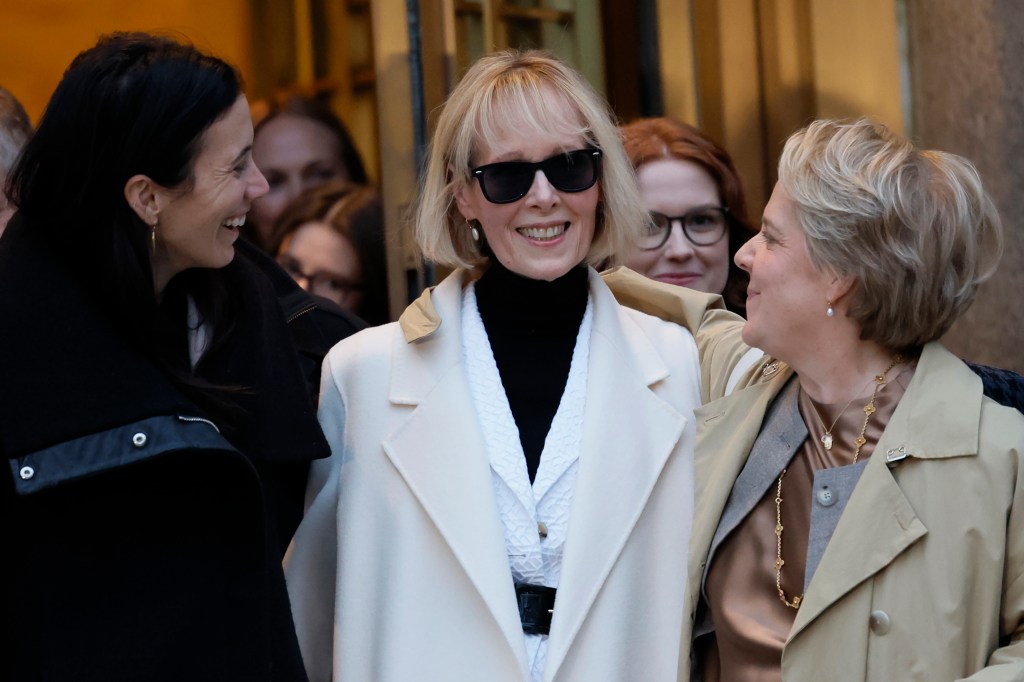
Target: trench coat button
{"type": "Point", "coordinates": [880, 622]}
{"type": "Point", "coordinates": [26, 473]}
{"type": "Point", "coordinates": [139, 439]}
{"type": "Point", "coordinates": [825, 497]}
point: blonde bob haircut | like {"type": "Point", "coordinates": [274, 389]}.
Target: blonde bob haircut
{"type": "Point", "coordinates": [915, 230]}
{"type": "Point", "coordinates": [513, 90]}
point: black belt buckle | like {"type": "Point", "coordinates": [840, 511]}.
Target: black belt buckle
{"type": "Point", "coordinates": [536, 605]}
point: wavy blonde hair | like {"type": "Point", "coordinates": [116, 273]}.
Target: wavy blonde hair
{"type": "Point", "coordinates": [512, 90]}
{"type": "Point", "coordinates": [915, 229]}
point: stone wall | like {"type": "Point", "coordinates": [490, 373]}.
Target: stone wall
{"type": "Point", "coordinates": [967, 95]}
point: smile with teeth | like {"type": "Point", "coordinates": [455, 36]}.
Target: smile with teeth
{"type": "Point", "coordinates": [235, 222]}
{"type": "Point", "coordinates": [543, 233]}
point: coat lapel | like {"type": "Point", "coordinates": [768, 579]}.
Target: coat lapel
{"type": "Point", "coordinates": [879, 523]}
{"type": "Point", "coordinates": [726, 432]}
{"type": "Point", "coordinates": [629, 435]}
{"type": "Point", "coordinates": [782, 433]}
{"type": "Point", "coordinates": [440, 452]}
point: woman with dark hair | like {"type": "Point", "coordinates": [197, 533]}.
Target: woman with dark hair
{"type": "Point", "coordinates": [332, 243]}
{"type": "Point", "coordinates": [154, 416]}
{"type": "Point", "coordinates": [299, 144]}
{"type": "Point", "coordinates": [687, 179]}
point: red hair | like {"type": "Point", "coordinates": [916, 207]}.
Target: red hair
{"type": "Point", "coordinates": [654, 139]}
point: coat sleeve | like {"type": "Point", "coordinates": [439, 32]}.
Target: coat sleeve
{"type": "Point", "coordinates": [1007, 662]}
{"type": "Point", "coordinates": [726, 362]}
{"type": "Point", "coordinates": [311, 563]}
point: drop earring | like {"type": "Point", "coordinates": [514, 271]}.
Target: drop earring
{"type": "Point", "coordinates": [831, 311]}
{"type": "Point", "coordinates": [473, 231]}
{"type": "Point", "coordinates": [152, 239]}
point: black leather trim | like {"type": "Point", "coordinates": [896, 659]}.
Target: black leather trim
{"type": "Point", "coordinates": [117, 447]}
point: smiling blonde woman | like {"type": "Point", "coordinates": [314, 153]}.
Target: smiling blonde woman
{"type": "Point", "coordinates": [511, 484]}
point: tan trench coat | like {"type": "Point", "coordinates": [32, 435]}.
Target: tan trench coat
{"type": "Point", "coordinates": [923, 578]}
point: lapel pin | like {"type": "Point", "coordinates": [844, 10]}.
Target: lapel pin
{"type": "Point", "coordinates": [894, 456]}
{"type": "Point", "coordinates": [770, 369]}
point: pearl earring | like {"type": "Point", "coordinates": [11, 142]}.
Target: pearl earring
{"type": "Point", "coordinates": [473, 231]}
{"type": "Point", "coordinates": [831, 311]}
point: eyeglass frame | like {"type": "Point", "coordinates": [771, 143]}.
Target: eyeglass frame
{"type": "Point", "coordinates": [594, 156]}
{"type": "Point", "coordinates": [681, 219]}
{"type": "Point", "coordinates": [291, 265]}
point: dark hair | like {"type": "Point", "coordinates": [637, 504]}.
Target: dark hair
{"type": "Point", "coordinates": [653, 139]}
{"type": "Point", "coordinates": [355, 212]}
{"type": "Point", "coordinates": [316, 110]}
{"type": "Point", "coordinates": [133, 104]}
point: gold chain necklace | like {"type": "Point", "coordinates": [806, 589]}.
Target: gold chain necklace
{"type": "Point", "coordinates": [826, 438]}
{"type": "Point", "coordinates": [869, 409]}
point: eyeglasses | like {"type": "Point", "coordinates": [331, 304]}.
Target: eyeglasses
{"type": "Point", "coordinates": [702, 226]}
{"type": "Point", "coordinates": [326, 284]}
{"type": "Point", "coordinates": [508, 181]}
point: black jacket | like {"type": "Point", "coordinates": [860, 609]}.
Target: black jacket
{"type": "Point", "coordinates": [141, 543]}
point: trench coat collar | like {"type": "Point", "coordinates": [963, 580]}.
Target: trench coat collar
{"type": "Point", "coordinates": [439, 452]}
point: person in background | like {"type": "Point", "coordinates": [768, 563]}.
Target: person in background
{"type": "Point", "coordinates": [510, 486]}
{"type": "Point", "coordinates": [332, 243]}
{"type": "Point", "coordinates": [15, 129]}
{"type": "Point", "coordinates": [861, 507]}
{"type": "Point", "coordinates": [153, 397]}
{"type": "Point", "coordinates": [698, 210]}
{"type": "Point", "coordinates": [299, 144]}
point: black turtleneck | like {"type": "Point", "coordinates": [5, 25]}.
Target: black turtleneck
{"type": "Point", "coordinates": [532, 327]}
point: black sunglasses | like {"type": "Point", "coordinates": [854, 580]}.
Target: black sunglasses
{"type": "Point", "coordinates": [508, 181]}
{"type": "Point", "coordinates": [702, 226]}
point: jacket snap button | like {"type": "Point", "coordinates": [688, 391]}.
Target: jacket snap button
{"type": "Point", "coordinates": [139, 439]}
{"type": "Point", "coordinates": [880, 622]}
{"type": "Point", "coordinates": [825, 497]}
{"type": "Point", "coordinates": [26, 473]}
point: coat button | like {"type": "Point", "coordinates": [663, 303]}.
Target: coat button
{"type": "Point", "coordinates": [825, 497]}
{"type": "Point", "coordinates": [880, 622]}
{"type": "Point", "coordinates": [26, 473]}
{"type": "Point", "coordinates": [139, 439]}
{"type": "Point", "coordinates": [542, 530]}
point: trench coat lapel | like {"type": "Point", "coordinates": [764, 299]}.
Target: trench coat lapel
{"type": "Point", "coordinates": [439, 450]}
{"type": "Point", "coordinates": [879, 523]}
{"type": "Point", "coordinates": [726, 432]}
{"type": "Point", "coordinates": [782, 433]}
{"type": "Point", "coordinates": [630, 432]}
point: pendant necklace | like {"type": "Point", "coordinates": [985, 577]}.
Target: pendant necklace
{"type": "Point", "coordinates": [858, 442]}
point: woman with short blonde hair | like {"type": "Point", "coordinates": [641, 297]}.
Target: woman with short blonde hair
{"type": "Point", "coordinates": [861, 488]}
{"type": "Point", "coordinates": [915, 229]}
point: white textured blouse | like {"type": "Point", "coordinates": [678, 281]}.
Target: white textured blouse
{"type": "Point", "coordinates": [523, 507]}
